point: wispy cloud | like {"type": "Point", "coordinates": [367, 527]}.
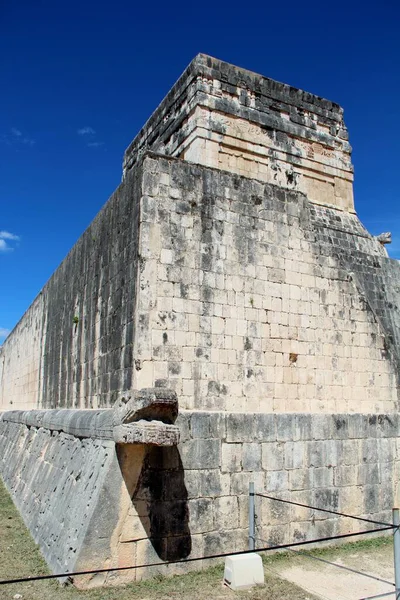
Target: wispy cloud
{"type": "Point", "coordinates": [86, 131]}
{"type": "Point", "coordinates": [4, 332]}
{"type": "Point", "coordinates": [16, 137]}
{"type": "Point", "coordinates": [5, 238]}
{"type": "Point", "coordinates": [90, 136]}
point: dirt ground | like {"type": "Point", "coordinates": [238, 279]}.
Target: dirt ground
{"type": "Point", "coordinates": [373, 561]}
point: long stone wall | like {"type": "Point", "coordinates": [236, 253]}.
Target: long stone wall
{"type": "Point", "coordinates": [92, 504]}
{"type": "Point", "coordinates": [250, 298]}
{"type": "Point", "coordinates": [74, 345]}
{"type": "Point", "coordinates": [21, 359]}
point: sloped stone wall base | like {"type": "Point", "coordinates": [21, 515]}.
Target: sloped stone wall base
{"type": "Point", "coordinates": [91, 504]}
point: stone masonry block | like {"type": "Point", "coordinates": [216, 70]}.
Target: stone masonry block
{"type": "Point", "coordinates": [273, 456]}
{"type": "Point", "coordinates": [273, 512]}
{"type": "Point", "coordinates": [295, 455]}
{"type": "Point", "coordinates": [226, 512]}
{"type": "Point", "coordinates": [201, 511]}
{"type": "Point", "coordinates": [201, 454]}
{"type": "Point", "coordinates": [285, 427]}
{"type": "Point", "coordinates": [213, 483]}
{"type": "Point", "coordinates": [217, 425]}
{"type": "Point", "coordinates": [345, 475]}
{"type": "Point", "coordinates": [239, 482]}
{"type": "Point", "coordinates": [316, 454]}
{"type": "Point", "coordinates": [251, 460]}
{"type": "Point", "coordinates": [323, 477]}
{"type": "Point", "coordinates": [231, 457]}
{"type": "Point", "coordinates": [265, 427]}
{"type": "Point", "coordinates": [302, 427]}
{"type": "Point", "coordinates": [239, 428]}
{"type": "Point", "coordinates": [200, 425]}
{"type": "Point", "coordinates": [321, 427]}
{"type": "Point", "coordinates": [277, 481]}
{"type": "Point", "coordinates": [300, 479]}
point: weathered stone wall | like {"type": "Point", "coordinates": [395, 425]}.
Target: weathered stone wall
{"type": "Point", "coordinates": [21, 359]}
{"type": "Point", "coordinates": [74, 345]}
{"type": "Point", "coordinates": [92, 504]}
{"type": "Point", "coordinates": [247, 304]}
{"type": "Point", "coordinates": [250, 298]}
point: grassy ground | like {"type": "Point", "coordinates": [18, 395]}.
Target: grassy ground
{"type": "Point", "coordinates": [20, 557]}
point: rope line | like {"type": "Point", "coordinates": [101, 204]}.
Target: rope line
{"type": "Point", "coordinates": [378, 596]}
{"type": "Point", "coordinates": [307, 555]}
{"type": "Point", "coordinates": [188, 560]}
{"type": "Point", "coordinates": [334, 512]}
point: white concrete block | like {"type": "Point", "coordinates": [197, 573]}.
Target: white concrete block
{"type": "Point", "coordinates": [243, 571]}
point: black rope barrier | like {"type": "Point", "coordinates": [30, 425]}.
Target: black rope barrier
{"type": "Point", "coordinates": [189, 560]}
{"type": "Point", "coordinates": [378, 596]}
{"type": "Point", "coordinates": [334, 512]}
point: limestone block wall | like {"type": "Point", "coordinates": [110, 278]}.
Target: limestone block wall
{"type": "Point", "coordinates": [55, 480]}
{"type": "Point", "coordinates": [226, 117]}
{"type": "Point", "coordinates": [93, 504]}
{"type": "Point", "coordinates": [21, 359]}
{"type": "Point", "coordinates": [74, 345]}
{"type": "Point", "coordinates": [247, 303]}
{"type": "Point", "coordinates": [347, 463]}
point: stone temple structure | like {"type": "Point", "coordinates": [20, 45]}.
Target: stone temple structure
{"type": "Point", "coordinates": [225, 318]}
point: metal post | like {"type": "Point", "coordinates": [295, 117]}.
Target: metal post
{"type": "Point", "coordinates": [252, 517]}
{"type": "Point", "coordinates": [396, 544]}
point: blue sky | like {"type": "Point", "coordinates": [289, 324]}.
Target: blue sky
{"type": "Point", "coordinates": [79, 79]}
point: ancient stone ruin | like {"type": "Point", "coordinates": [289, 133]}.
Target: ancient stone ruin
{"type": "Point", "coordinates": [230, 275]}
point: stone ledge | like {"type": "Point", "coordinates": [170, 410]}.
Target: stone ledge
{"type": "Point", "coordinates": [138, 417]}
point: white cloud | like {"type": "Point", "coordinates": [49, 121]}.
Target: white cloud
{"type": "Point", "coordinates": [86, 131]}
{"type": "Point", "coordinates": [89, 135]}
{"type": "Point", "coordinates": [28, 141]}
{"type": "Point", "coordinates": [4, 332]}
{"type": "Point", "coordinates": [6, 236]}
{"type": "Point", "coordinates": [16, 138]}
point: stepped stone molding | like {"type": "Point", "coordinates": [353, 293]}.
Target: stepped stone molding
{"type": "Point", "coordinates": [219, 115]}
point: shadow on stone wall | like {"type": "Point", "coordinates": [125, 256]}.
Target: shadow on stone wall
{"type": "Point", "coordinates": [161, 489]}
